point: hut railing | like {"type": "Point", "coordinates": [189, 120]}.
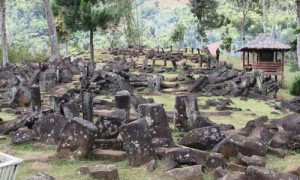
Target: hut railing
{"type": "Point", "coordinates": [270, 68]}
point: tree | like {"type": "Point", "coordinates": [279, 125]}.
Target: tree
{"type": "Point", "coordinates": [55, 54]}
{"type": "Point", "coordinates": [178, 34]}
{"type": "Point", "coordinates": [244, 6]}
{"type": "Point", "coordinates": [87, 15]}
{"type": "Point", "coordinates": [206, 13]}
{"type": "Point", "coordinates": [4, 37]}
{"type": "Point", "coordinates": [298, 35]}
{"type": "Point", "coordinates": [264, 16]}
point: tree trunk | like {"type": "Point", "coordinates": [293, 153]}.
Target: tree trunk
{"type": "Point", "coordinates": [66, 48]}
{"type": "Point", "coordinates": [92, 49]}
{"type": "Point", "coordinates": [264, 16]}
{"type": "Point", "coordinates": [4, 37]}
{"type": "Point", "coordinates": [298, 35]}
{"type": "Point", "coordinates": [55, 54]}
{"type": "Point", "coordinates": [243, 23]}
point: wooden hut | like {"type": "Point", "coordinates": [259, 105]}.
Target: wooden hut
{"type": "Point", "coordinates": [267, 54]}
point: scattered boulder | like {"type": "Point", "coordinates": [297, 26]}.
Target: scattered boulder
{"type": "Point", "coordinates": [281, 138]}
{"type": "Point", "coordinates": [157, 120]}
{"type": "Point", "coordinates": [22, 135]}
{"type": "Point", "coordinates": [216, 160]}
{"type": "Point", "coordinates": [122, 100]}
{"type": "Point", "coordinates": [233, 144]}
{"type": "Point", "coordinates": [107, 172]}
{"type": "Point", "coordinates": [110, 154]}
{"type": "Point", "coordinates": [294, 142]}
{"type": "Point", "coordinates": [251, 161]}
{"type": "Point", "coordinates": [202, 138]}
{"type": "Point", "coordinates": [76, 139]}
{"type": "Point", "coordinates": [70, 109]}
{"type": "Point", "coordinates": [108, 125]}
{"type": "Point", "coordinates": [137, 142]}
{"type": "Point", "coordinates": [254, 172]}
{"type": "Point", "coordinates": [293, 170]}
{"type": "Point", "coordinates": [219, 172]}
{"type": "Point", "coordinates": [186, 173]}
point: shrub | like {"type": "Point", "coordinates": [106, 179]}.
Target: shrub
{"type": "Point", "coordinates": [295, 88]}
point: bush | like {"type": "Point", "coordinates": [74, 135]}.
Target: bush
{"type": "Point", "coordinates": [295, 88]}
{"type": "Point", "coordinates": [294, 66]}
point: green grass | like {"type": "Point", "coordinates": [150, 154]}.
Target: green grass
{"type": "Point", "coordinates": [7, 116]}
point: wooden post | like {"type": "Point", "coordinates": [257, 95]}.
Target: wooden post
{"type": "Point", "coordinates": [248, 58]}
{"type": "Point", "coordinates": [185, 50]}
{"type": "Point", "coordinates": [253, 54]}
{"type": "Point", "coordinates": [165, 60]}
{"type": "Point", "coordinates": [198, 50]}
{"type": "Point", "coordinates": [282, 75]}
{"type": "Point", "coordinates": [200, 60]}
{"type": "Point", "coordinates": [276, 56]}
{"type": "Point", "coordinates": [192, 50]}
{"type": "Point", "coordinates": [171, 48]}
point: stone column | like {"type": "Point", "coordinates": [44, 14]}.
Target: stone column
{"type": "Point", "coordinates": [122, 100]}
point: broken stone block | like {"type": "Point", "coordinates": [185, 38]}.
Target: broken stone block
{"type": "Point", "coordinates": [108, 125]}
{"type": "Point", "coordinates": [216, 160]}
{"type": "Point", "coordinates": [105, 172]}
{"type": "Point", "coordinates": [235, 176]}
{"type": "Point", "coordinates": [254, 172]}
{"type": "Point", "coordinates": [185, 112]}
{"type": "Point", "coordinates": [76, 139]}
{"type": "Point", "coordinates": [233, 144]}
{"type": "Point", "coordinates": [202, 138]}
{"type": "Point", "coordinates": [281, 138]}
{"type": "Point", "coordinates": [113, 144]}
{"type": "Point", "coordinates": [163, 142]}
{"type": "Point", "coordinates": [50, 127]}
{"type": "Point", "coordinates": [65, 75]}
{"type": "Point", "coordinates": [122, 100]}
{"type": "Point", "coordinates": [293, 170]}
{"type": "Point", "coordinates": [219, 173]}
{"type": "Point", "coordinates": [261, 132]}
{"type": "Point", "coordinates": [137, 142]}
{"type": "Point", "coordinates": [22, 135]}
{"type": "Point", "coordinates": [36, 102]}
{"type": "Point", "coordinates": [202, 121]}
{"type": "Point", "coordinates": [87, 105]}
{"type": "Point", "coordinates": [294, 143]}
{"type": "Point", "coordinates": [236, 167]}
{"type": "Point", "coordinates": [277, 152]}
{"type": "Point", "coordinates": [22, 96]}
{"type": "Point", "coordinates": [157, 120]}
{"type": "Point", "coordinates": [251, 161]}
{"type": "Point", "coordinates": [48, 80]}
{"type": "Point", "coordinates": [186, 173]}
{"type": "Point", "coordinates": [109, 154]}
{"type": "Point", "coordinates": [70, 109]}
{"type": "Point", "coordinates": [183, 156]}
{"type": "Point", "coordinates": [151, 165]}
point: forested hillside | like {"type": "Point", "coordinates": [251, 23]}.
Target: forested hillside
{"type": "Point", "coordinates": [155, 21]}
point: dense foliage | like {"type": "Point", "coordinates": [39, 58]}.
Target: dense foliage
{"type": "Point", "coordinates": [295, 88]}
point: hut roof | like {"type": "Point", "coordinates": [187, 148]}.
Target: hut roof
{"type": "Point", "coordinates": [265, 41]}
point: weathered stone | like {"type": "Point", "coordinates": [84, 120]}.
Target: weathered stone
{"type": "Point", "coordinates": [65, 75]}
{"type": "Point", "coordinates": [256, 122]}
{"type": "Point", "coordinates": [235, 176]}
{"type": "Point", "coordinates": [202, 138]}
{"type": "Point", "coordinates": [183, 156]}
{"type": "Point", "coordinates": [110, 154]}
{"type": "Point", "coordinates": [22, 97]}
{"type": "Point", "coordinates": [186, 173]}
{"type": "Point", "coordinates": [50, 128]}
{"type": "Point", "coordinates": [48, 80]}
{"type": "Point", "coordinates": [236, 167]}
{"type": "Point", "coordinates": [293, 170]}
{"type": "Point", "coordinates": [157, 120]}
{"type": "Point", "coordinates": [108, 125]}
{"type": "Point", "coordinates": [70, 109]}
{"type": "Point", "coordinates": [185, 112]}
{"type": "Point", "coordinates": [22, 135]}
{"type": "Point", "coordinates": [151, 165]}
{"type": "Point", "coordinates": [281, 138]}
{"type": "Point", "coordinates": [261, 132]}
{"type": "Point", "coordinates": [137, 142]}
{"type": "Point", "coordinates": [163, 142]}
{"type": "Point", "coordinates": [36, 101]}
{"type": "Point", "coordinates": [113, 144]}
{"type": "Point", "coordinates": [202, 121]}
{"type": "Point", "coordinates": [294, 142]}
{"type": "Point", "coordinates": [41, 176]}
{"type": "Point", "coordinates": [45, 157]}
{"type": "Point", "coordinates": [216, 160]}
{"type": "Point", "coordinates": [219, 173]}
{"type": "Point", "coordinates": [251, 161]}
{"type": "Point", "coordinates": [233, 144]}
{"type": "Point", "coordinates": [122, 100]}
{"type": "Point", "coordinates": [87, 105]}
{"type": "Point", "coordinates": [105, 172]}
{"type": "Point", "coordinates": [277, 152]}
{"type": "Point", "coordinates": [76, 139]}
{"type": "Point", "coordinates": [261, 173]}
{"type": "Point", "coordinates": [292, 124]}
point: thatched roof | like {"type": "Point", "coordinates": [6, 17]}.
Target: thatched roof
{"type": "Point", "coordinates": [265, 41]}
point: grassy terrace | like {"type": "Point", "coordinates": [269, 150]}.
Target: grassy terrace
{"type": "Point", "coordinates": [66, 169]}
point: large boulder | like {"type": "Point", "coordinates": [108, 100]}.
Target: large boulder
{"type": "Point", "coordinates": [254, 172]}
{"type": "Point", "coordinates": [122, 100]}
{"type": "Point", "coordinates": [137, 142]}
{"type": "Point", "coordinates": [76, 139]}
{"type": "Point", "coordinates": [50, 127]}
{"type": "Point", "coordinates": [22, 96]}
{"type": "Point", "coordinates": [108, 125]}
{"type": "Point", "coordinates": [202, 138]}
{"type": "Point", "coordinates": [233, 144]}
{"type": "Point", "coordinates": [157, 120]}
{"type": "Point", "coordinates": [70, 109]}
{"type": "Point", "coordinates": [185, 112]}
{"type": "Point", "coordinates": [48, 80]}
{"type": "Point", "coordinates": [186, 173]}
{"type": "Point", "coordinates": [294, 142]}
{"type": "Point", "coordinates": [113, 144]}
{"type": "Point", "coordinates": [251, 161]}
{"type": "Point", "coordinates": [22, 135]}
{"type": "Point", "coordinates": [281, 138]}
